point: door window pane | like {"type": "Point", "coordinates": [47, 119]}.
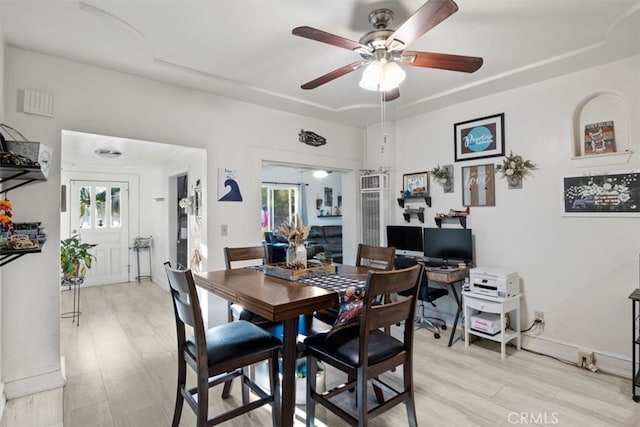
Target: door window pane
{"type": "Point", "coordinates": [85, 207]}
{"type": "Point", "coordinates": [101, 202]}
{"type": "Point", "coordinates": [115, 206]}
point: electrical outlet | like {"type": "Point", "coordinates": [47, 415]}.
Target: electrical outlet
{"type": "Point", "coordinates": [224, 229]}
{"type": "Point", "coordinates": [539, 316]}
{"type": "Point", "coordinates": [585, 359]}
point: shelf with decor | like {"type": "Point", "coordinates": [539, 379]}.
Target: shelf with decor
{"type": "Point", "coordinates": [9, 174]}
{"type": "Point", "coordinates": [9, 255]}
{"type": "Point", "coordinates": [462, 219]}
{"type": "Point", "coordinates": [418, 212]}
{"type": "Point", "coordinates": [401, 200]}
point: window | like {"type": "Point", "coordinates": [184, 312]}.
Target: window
{"type": "Point", "coordinates": [279, 203]}
{"type": "Point", "coordinates": [99, 207]}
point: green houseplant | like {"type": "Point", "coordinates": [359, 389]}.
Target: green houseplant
{"type": "Point", "coordinates": [75, 257]}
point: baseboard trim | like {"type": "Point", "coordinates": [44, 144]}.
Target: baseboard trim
{"type": "Point", "coordinates": [35, 384]}
{"type": "Point", "coordinates": [610, 363]}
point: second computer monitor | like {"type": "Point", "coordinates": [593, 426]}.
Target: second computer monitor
{"type": "Point", "coordinates": [448, 244]}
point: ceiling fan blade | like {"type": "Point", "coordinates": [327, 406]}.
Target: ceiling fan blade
{"type": "Point", "coordinates": [428, 16]}
{"type": "Point", "coordinates": [444, 61]}
{"type": "Point", "coordinates": [333, 75]}
{"type": "Point", "coordinates": [391, 94]}
{"type": "Point", "coordinates": [332, 39]}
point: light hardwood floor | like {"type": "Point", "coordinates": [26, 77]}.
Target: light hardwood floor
{"type": "Point", "coordinates": [121, 369]}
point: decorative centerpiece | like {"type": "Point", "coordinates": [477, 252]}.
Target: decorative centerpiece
{"type": "Point", "coordinates": [514, 168]}
{"type": "Point", "coordinates": [444, 176]}
{"type": "Point", "coordinates": [296, 233]}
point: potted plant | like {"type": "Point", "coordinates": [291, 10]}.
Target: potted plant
{"type": "Point", "coordinates": [75, 257]}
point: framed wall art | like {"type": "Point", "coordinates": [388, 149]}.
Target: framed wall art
{"type": "Point", "coordinates": [229, 185]}
{"type": "Point", "coordinates": [606, 194]}
{"type": "Point", "coordinates": [417, 184]}
{"type": "Point", "coordinates": [478, 185]}
{"type": "Point", "coordinates": [479, 138]}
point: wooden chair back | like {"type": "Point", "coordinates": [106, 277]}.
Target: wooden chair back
{"type": "Point", "coordinates": [375, 256]}
{"type": "Point", "coordinates": [245, 254]}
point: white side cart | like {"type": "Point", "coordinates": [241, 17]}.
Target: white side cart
{"type": "Point", "coordinates": [473, 303]}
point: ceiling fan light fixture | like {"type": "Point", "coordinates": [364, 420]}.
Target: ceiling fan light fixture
{"type": "Point", "coordinates": [372, 76]}
{"type": "Point", "coordinates": [379, 76]}
{"type": "Point", "coordinates": [320, 174]}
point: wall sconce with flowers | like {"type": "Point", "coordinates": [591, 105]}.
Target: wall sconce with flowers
{"type": "Point", "coordinates": [514, 168]}
{"type": "Point", "coordinates": [444, 176]}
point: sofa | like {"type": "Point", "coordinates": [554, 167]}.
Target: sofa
{"type": "Point", "coordinates": [322, 238]}
{"type": "Point", "coordinates": [327, 239]}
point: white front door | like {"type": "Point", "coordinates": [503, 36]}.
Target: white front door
{"type": "Point", "coordinates": [99, 213]}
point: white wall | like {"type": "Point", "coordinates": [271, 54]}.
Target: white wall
{"type": "Point", "coordinates": [89, 99]}
{"type": "Point", "coordinates": [578, 271]}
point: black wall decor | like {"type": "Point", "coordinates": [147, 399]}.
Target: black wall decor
{"type": "Point", "coordinates": [311, 138]}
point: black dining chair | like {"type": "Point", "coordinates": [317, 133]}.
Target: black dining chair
{"type": "Point", "coordinates": [364, 352]}
{"type": "Point", "coordinates": [217, 355]}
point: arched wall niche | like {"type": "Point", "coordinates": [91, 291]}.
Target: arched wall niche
{"type": "Point", "coordinates": [600, 107]}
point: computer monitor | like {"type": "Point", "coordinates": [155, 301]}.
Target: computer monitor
{"type": "Point", "coordinates": [406, 239]}
{"type": "Point", "coordinates": [448, 244]}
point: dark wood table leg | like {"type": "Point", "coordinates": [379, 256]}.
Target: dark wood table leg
{"type": "Point", "coordinates": [289, 357]}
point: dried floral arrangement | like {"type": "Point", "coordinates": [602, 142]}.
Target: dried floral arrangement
{"type": "Point", "coordinates": [294, 231]}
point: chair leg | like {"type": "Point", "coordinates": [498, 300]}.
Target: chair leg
{"type": "Point", "coordinates": [203, 401]}
{"type": "Point", "coordinates": [182, 377]}
{"type": "Point", "coordinates": [378, 392]}
{"type": "Point", "coordinates": [226, 389]}
{"type": "Point", "coordinates": [245, 387]}
{"type": "Point", "coordinates": [361, 399]}
{"type": "Point", "coordinates": [410, 402]}
{"type": "Point", "coordinates": [312, 367]}
{"type": "Point", "coordinates": [274, 384]}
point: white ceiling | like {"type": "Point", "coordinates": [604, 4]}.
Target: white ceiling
{"type": "Point", "coordinates": [245, 49]}
{"type": "Point", "coordinates": [78, 153]}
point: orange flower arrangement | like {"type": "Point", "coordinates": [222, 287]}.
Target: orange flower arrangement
{"type": "Point", "coordinates": [5, 214]}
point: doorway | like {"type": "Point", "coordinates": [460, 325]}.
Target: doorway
{"type": "Point", "coordinates": [99, 214]}
{"type": "Point", "coordinates": [182, 222]}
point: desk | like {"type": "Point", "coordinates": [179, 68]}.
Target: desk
{"type": "Point", "coordinates": [276, 300]}
{"type": "Point", "coordinates": [450, 278]}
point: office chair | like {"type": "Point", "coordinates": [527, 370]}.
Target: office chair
{"type": "Point", "coordinates": [364, 352]}
{"type": "Point", "coordinates": [426, 294]}
{"type": "Point", "coordinates": [429, 294]}
{"type": "Point", "coordinates": [218, 355]}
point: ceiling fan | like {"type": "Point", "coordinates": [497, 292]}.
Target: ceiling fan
{"type": "Point", "coordinates": [383, 49]}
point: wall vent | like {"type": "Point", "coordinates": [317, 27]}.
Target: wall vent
{"type": "Point", "coordinates": [372, 208]}
{"type": "Point", "coordinates": [39, 102]}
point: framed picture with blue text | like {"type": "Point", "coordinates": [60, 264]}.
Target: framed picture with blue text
{"type": "Point", "coordinates": [479, 138]}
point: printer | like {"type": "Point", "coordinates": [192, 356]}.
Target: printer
{"type": "Point", "coordinates": [494, 282]}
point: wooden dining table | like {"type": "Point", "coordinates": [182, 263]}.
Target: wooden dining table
{"type": "Point", "coordinates": [278, 300]}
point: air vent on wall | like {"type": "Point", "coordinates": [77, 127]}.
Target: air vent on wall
{"type": "Point", "coordinates": [39, 102]}
{"type": "Point", "coordinates": [373, 182]}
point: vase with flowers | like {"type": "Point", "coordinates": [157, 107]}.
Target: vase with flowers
{"type": "Point", "coordinates": [514, 168]}
{"type": "Point", "coordinates": [6, 223]}
{"type": "Point", "coordinates": [444, 176]}
{"type": "Point", "coordinates": [296, 234]}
